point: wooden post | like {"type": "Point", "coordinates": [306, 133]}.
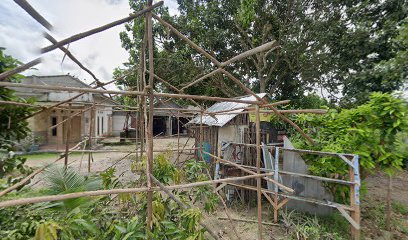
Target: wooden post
{"type": "Point", "coordinates": [178, 136]}
{"type": "Point", "coordinates": [258, 169]}
{"type": "Point", "coordinates": [149, 132]}
{"type": "Point", "coordinates": [355, 197]}
{"type": "Point", "coordinates": [201, 137]}
{"type": "Point", "coordinates": [91, 132]}
{"type": "Point", "coordinates": [67, 137]}
{"type": "Point", "coordinates": [276, 178]}
{"type": "Point", "coordinates": [388, 208]}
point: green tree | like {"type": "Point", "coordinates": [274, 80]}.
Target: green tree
{"type": "Point", "coordinates": [370, 130]}
{"type": "Point", "coordinates": [334, 45]}
{"type": "Point", "coordinates": [12, 128]}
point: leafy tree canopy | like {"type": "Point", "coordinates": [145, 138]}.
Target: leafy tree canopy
{"type": "Point", "coordinates": [350, 48]}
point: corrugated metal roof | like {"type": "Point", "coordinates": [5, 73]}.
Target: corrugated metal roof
{"type": "Point", "coordinates": [223, 119]}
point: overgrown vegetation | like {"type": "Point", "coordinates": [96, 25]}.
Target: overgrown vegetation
{"type": "Point", "coordinates": [370, 130]}
{"type": "Point", "coordinates": [116, 217]}
{"type": "Point", "coordinates": [12, 127]}
{"type": "Point", "coordinates": [302, 226]}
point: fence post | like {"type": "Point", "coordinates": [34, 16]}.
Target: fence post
{"type": "Point", "coordinates": [355, 196]}
{"type": "Point", "coordinates": [276, 178]}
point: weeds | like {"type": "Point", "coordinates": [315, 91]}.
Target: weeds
{"type": "Point", "coordinates": [301, 227]}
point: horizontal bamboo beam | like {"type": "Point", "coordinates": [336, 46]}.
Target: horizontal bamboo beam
{"type": "Point", "coordinates": [182, 204]}
{"type": "Point", "coordinates": [25, 201]}
{"type": "Point", "coordinates": [112, 150]}
{"type": "Point", "coordinates": [252, 108]}
{"type": "Point", "coordinates": [137, 93]}
{"type": "Point", "coordinates": [248, 221]}
{"type": "Point", "coordinates": [33, 174]}
{"type": "Point", "coordinates": [283, 187]}
{"type": "Point", "coordinates": [296, 198]}
{"type": "Point", "coordinates": [67, 100]}
{"type": "Point", "coordinates": [301, 175]}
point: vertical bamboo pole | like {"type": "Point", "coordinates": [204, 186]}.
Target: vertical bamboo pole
{"type": "Point", "coordinates": [67, 136]}
{"type": "Point", "coordinates": [276, 178]}
{"type": "Point", "coordinates": [149, 133]}
{"type": "Point", "coordinates": [178, 136]}
{"type": "Point", "coordinates": [201, 136]}
{"type": "Point", "coordinates": [91, 126]}
{"type": "Point", "coordinates": [258, 169]}
{"type": "Point", "coordinates": [355, 196]}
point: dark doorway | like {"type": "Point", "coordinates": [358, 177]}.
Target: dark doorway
{"type": "Point", "coordinates": [159, 126]}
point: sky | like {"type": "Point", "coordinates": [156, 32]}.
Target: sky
{"type": "Point", "coordinates": [22, 36]}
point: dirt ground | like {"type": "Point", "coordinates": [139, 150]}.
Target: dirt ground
{"type": "Point", "coordinates": [102, 161]}
{"type": "Point", "coordinates": [372, 201]}
{"type": "Point", "coordinates": [373, 206]}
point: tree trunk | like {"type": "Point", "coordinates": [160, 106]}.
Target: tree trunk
{"type": "Point", "coordinates": [262, 82]}
{"type": "Point", "coordinates": [388, 205]}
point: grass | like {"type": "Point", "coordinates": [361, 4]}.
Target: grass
{"type": "Point", "coordinates": [399, 208]}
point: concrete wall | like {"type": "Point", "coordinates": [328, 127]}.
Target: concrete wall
{"type": "Point", "coordinates": [304, 187]}
{"type": "Point", "coordinates": [102, 121]}
{"type": "Point", "coordinates": [117, 124]}
{"type": "Point", "coordinates": [41, 123]}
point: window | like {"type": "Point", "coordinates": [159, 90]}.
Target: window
{"type": "Point", "coordinates": [102, 124]}
{"type": "Point", "coordinates": [53, 123]}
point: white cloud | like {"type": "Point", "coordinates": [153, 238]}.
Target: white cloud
{"type": "Point", "coordinates": [101, 53]}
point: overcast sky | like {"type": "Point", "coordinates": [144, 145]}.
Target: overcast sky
{"type": "Point", "coordinates": [22, 36]}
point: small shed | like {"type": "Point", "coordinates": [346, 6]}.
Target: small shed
{"type": "Point", "coordinates": [231, 124]}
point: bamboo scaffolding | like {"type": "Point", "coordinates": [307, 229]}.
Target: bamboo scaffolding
{"type": "Point", "coordinates": [34, 14]}
{"type": "Point", "coordinates": [31, 175]}
{"type": "Point", "coordinates": [41, 20]}
{"type": "Point", "coordinates": [5, 75]}
{"type": "Point", "coordinates": [88, 33]}
{"type": "Point", "coordinates": [283, 187]}
{"type": "Point", "coordinates": [233, 78]}
{"type": "Point", "coordinates": [248, 221]}
{"type": "Point", "coordinates": [182, 205]}
{"type": "Point", "coordinates": [25, 201]}
{"type": "Point", "coordinates": [146, 119]}
{"type": "Point", "coordinates": [65, 101]}
{"type": "Point", "coordinates": [149, 132]}
{"type": "Point", "coordinates": [135, 93]}
{"type": "Point", "coordinates": [258, 170]}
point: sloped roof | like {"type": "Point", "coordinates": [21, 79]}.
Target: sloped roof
{"type": "Point", "coordinates": [43, 95]}
{"type": "Point", "coordinates": [222, 119]}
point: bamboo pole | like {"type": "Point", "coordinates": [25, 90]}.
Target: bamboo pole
{"type": "Point", "coordinates": [283, 187]}
{"type": "Point", "coordinates": [34, 14]}
{"type": "Point", "coordinates": [91, 133]}
{"type": "Point", "coordinates": [181, 204]}
{"type": "Point", "coordinates": [258, 171]}
{"type": "Point", "coordinates": [66, 101]}
{"type": "Point", "coordinates": [31, 175]}
{"type": "Point", "coordinates": [25, 201]}
{"type": "Point", "coordinates": [71, 56]}
{"type": "Point", "coordinates": [136, 93]}
{"type": "Point", "coordinates": [233, 78]}
{"type": "Point", "coordinates": [88, 33]}
{"type": "Point", "coordinates": [67, 138]}
{"type": "Point", "coordinates": [149, 133]}
{"type": "Point", "coordinates": [9, 73]}
{"type": "Point", "coordinates": [178, 137]}
{"type": "Point", "coordinates": [215, 189]}
{"type": "Point", "coordinates": [248, 221]}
